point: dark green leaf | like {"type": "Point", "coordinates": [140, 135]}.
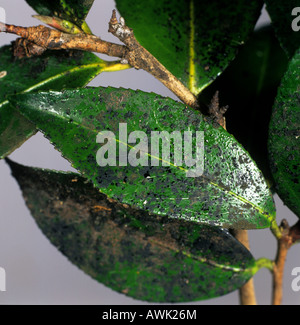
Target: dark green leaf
{"type": "Point", "coordinates": [150, 258]}
{"type": "Point", "coordinates": [249, 86]}
{"type": "Point", "coordinates": [53, 70]}
{"type": "Point", "coordinates": [14, 130]}
{"type": "Point", "coordinates": [73, 10]}
{"type": "Point", "coordinates": [284, 137]}
{"type": "Point", "coordinates": [195, 40]}
{"type": "Point", "coordinates": [231, 192]}
{"type": "Point", "coordinates": [285, 23]}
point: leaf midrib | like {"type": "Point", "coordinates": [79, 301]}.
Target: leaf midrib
{"type": "Point", "coordinates": [204, 260]}
{"type": "Point", "coordinates": [107, 67]}
{"type": "Point", "coordinates": [192, 72]}
{"type": "Point", "coordinates": [200, 259]}
{"type": "Point", "coordinates": [269, 216]}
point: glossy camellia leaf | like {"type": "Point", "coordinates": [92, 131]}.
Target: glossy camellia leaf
{"type": "Point", "coordinates": [285, 17]}
{"type": "Point", "coordinates": [53, 70]}
{"type": "Point", "coordinates": [231, 192]}
{"type": "Point", "coordinates": [249, 87]}
{"type": "Point", "coordinates": [284, 137]}
{"type": "Point", "coordinates": [74, 11]}
{"type": "Point", "coordinates": [147, 257]}
{"type": "Point", "coordinates": [195, 40]}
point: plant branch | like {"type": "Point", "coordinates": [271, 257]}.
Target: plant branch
{"type": "Point", "coordinates": [132, 52]}
{"type": "Point", "coordinates": [140, 58]}
{"type": "Point", "coordinates": [217, 112]}
{"type": "Point", "coordinates": [51, 39]}
{"type": "Point", "coordinates": [247, 291]}
{"type": "Point", "coordinates": [289, 236]}
{"type": "Point", "coordinates": [275, 229]}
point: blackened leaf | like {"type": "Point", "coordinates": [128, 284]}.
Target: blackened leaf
{"type": "Point", "coordinates": [249, 87]}
{"type": "Point", "coordinates": [284, 137]}
{"type": "Point", "coordinates": [147, 257]}
{"type": "Point", "coordinates": [230, 192]}
{"type": "Point", "coordinates": [285, 17]}
{"type": "Point", "coordinates": [52, 70]}
{"type": "Point", "coordinates": [195, 40]}
{"type": "Point", "coordinates": [74, 11]}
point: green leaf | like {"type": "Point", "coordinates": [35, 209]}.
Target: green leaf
{"type": "Point", "coordinates": [249, 86]}
{"type": "Point", "coordinates": [231, 191]}
{"type": "Point", "coordinates": [284, 137]}
{"type": "Point", "coordinates": [14, 130]}
{"type": "Point", "coordinates": [74, 11]}
{"type": "Point", "coordinates": [60, 24]}
{"type": "Point", "coordinates": [195, 40]}
{"type": "Point", "coordinates": [152, 258]}
{"type": "Point", "coordinates": [286, 23]}
{"type": "Point", "coordinates": [53, 70]}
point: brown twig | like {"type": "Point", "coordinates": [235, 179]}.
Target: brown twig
{"type": "Point", "coordinates": [247, 291]}
{"type": "Point", "coordinates": [140, 58]}
{"type": "Point", "coordinates": [217, 112]}
{"type": "Point", "coordinates": [132, 52]}
{"type": "Point", "coordinates": [289, 236]}
{"type": "Point", "coordinates": [51, 39]}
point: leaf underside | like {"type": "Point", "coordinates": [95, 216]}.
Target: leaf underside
{"type": "Point", "coordinates": [195, 40]}
{"type": "Point", "coordinates": [231, 191]}
{"type": "Point", "coordinates": [284, 137]}
{"type": "Point", "coordinates": [152, 258]}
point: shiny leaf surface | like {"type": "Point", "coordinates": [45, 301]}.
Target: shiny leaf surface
{"type": "Point", "coordinates": [230, 192]}
{"type": "Point", "coordinates": [152, 258]}
{"type": "Point", "coordinates": [249, 87]}
{"type": "Point", "coordinates": [195, 40]}
{"type": "Point", "coordinates": [52, 70]}
{"type": "Point", "coordinates": [284, 137]}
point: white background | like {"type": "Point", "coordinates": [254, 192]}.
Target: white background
{"type": "Point", "coordinates": [37, 273]}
